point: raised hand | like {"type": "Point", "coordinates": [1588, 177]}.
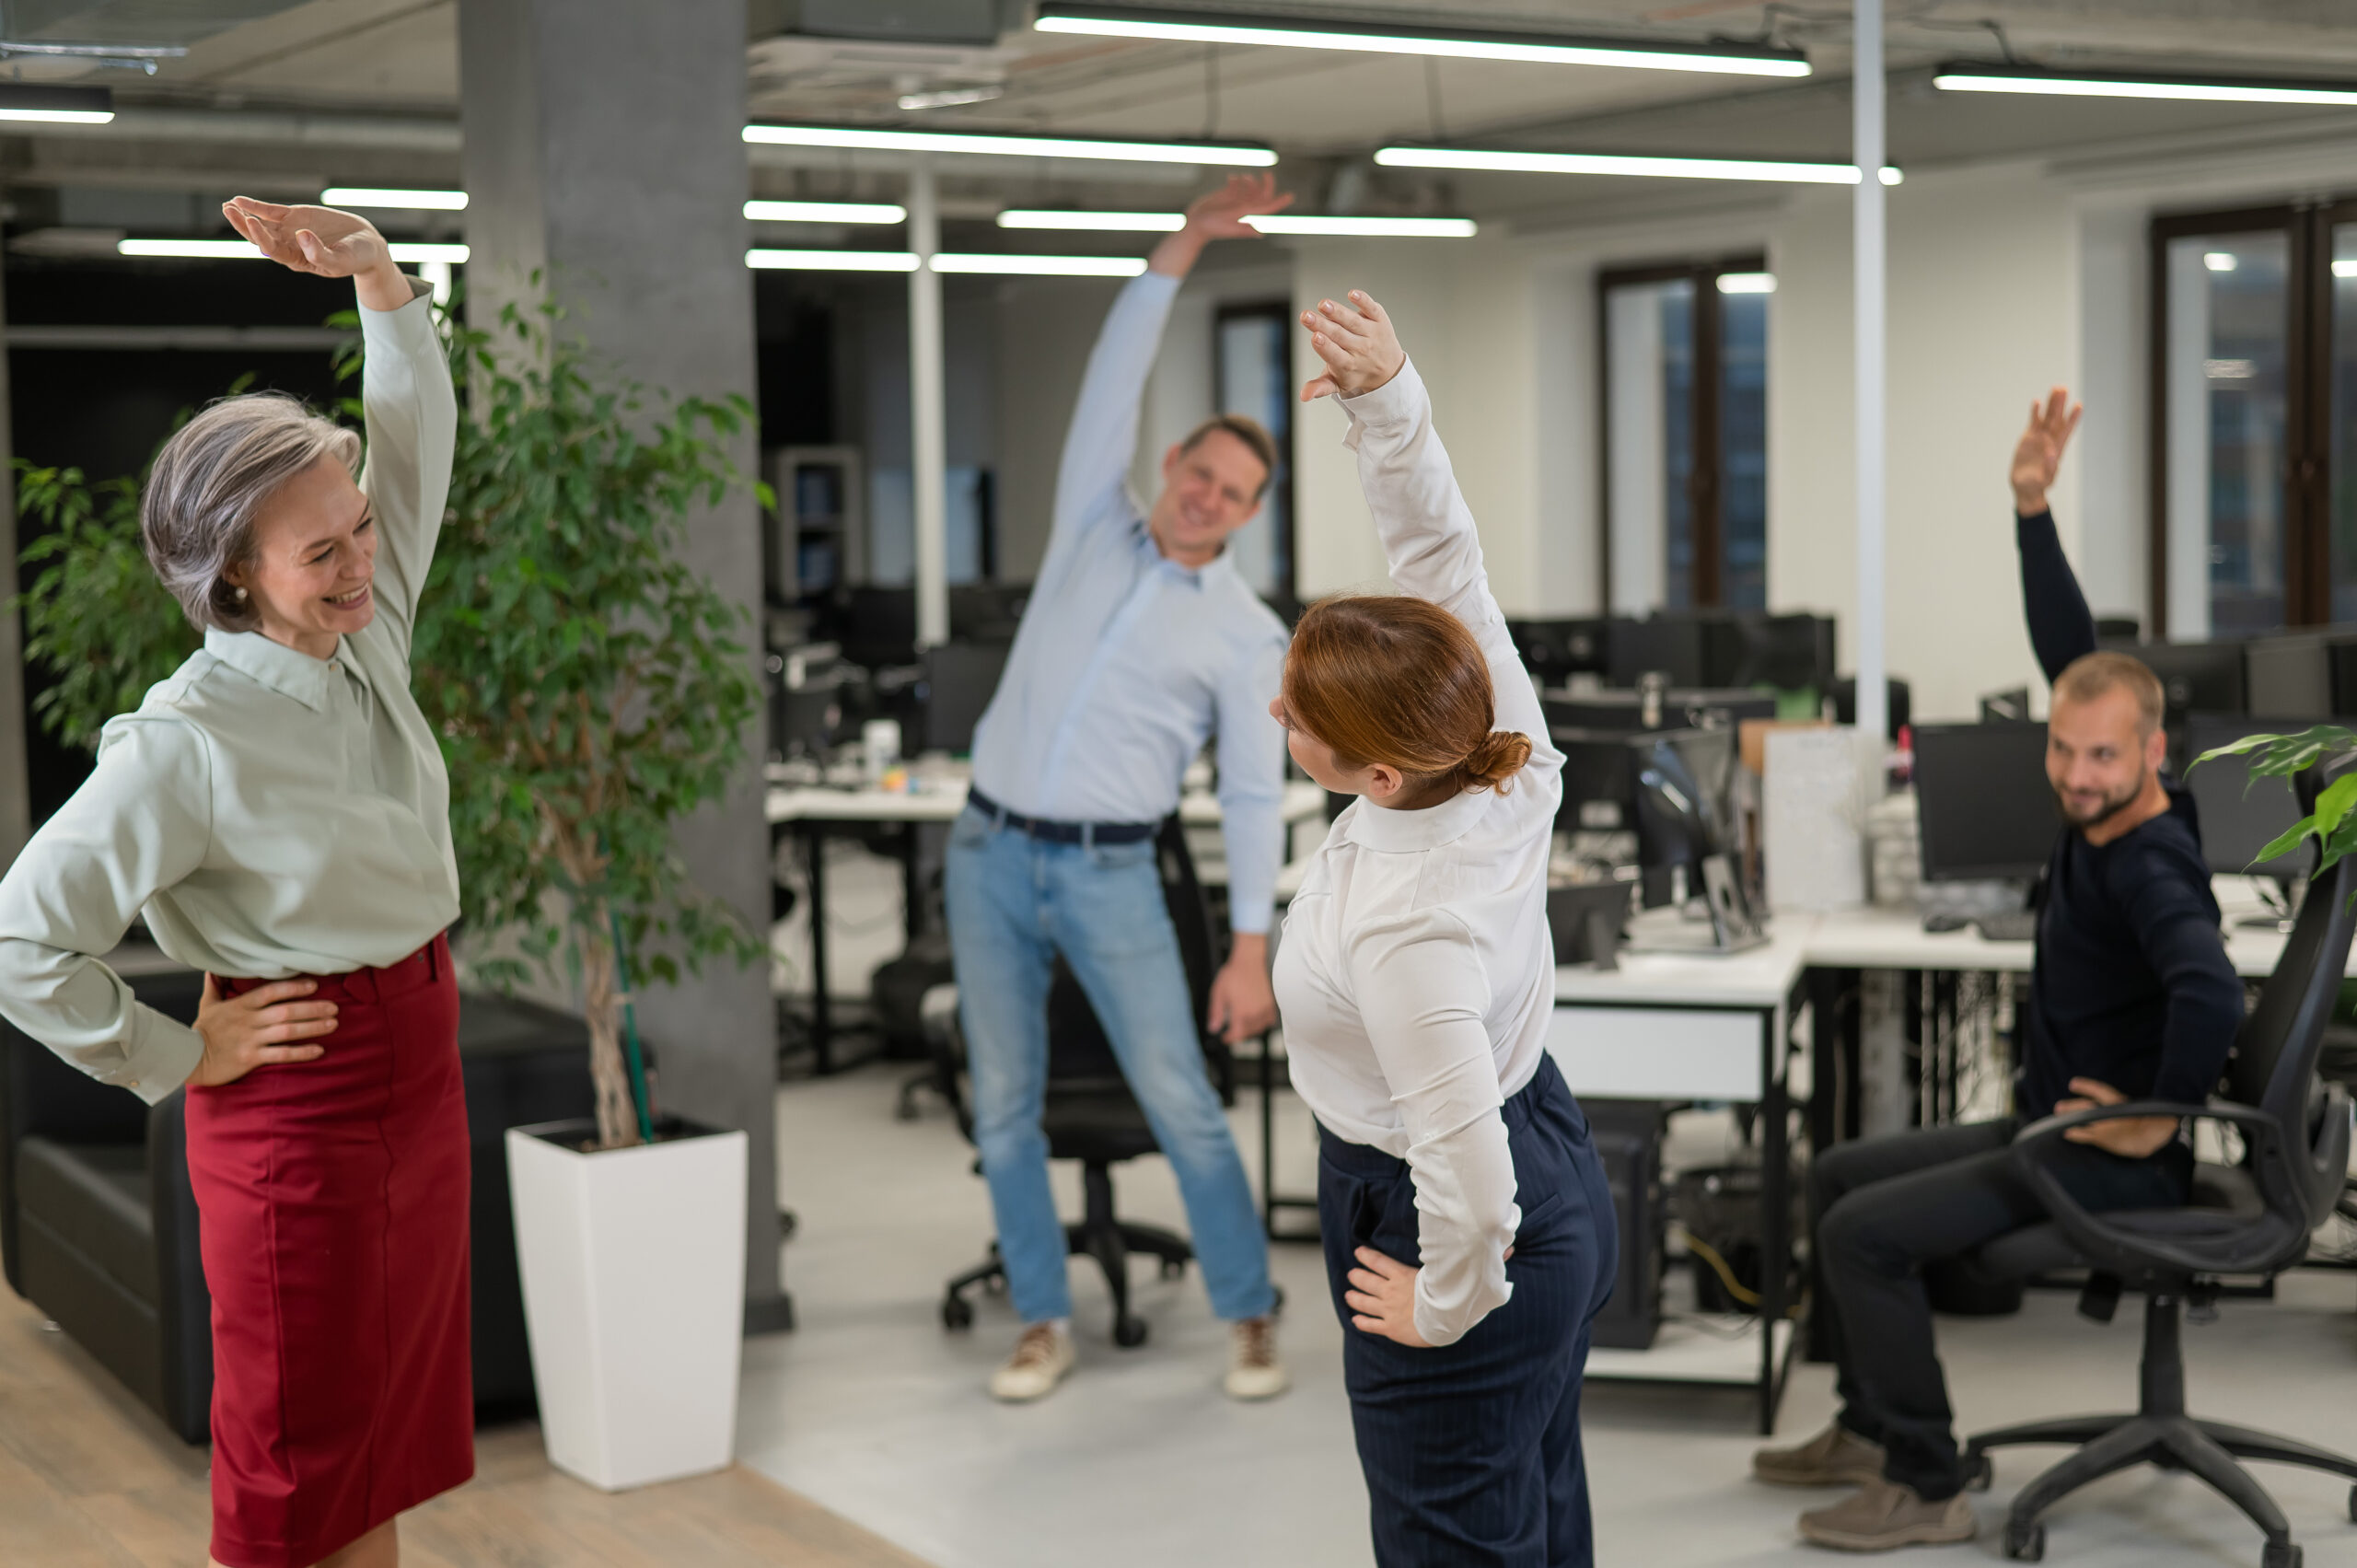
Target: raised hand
{"type": "Point", "coordinates": [2038, 454]}
{"type": "Point", "coordinates": [1357, 344]}
{"type": "Point", "coordinates": [324, 241]}
{"type": "Point", "coordinates": [1221, 214]}
{"type": "Point", "coordinates": [265, 1027]}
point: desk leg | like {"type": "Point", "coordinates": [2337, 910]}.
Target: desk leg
{"type": "Point", "coordinates": [1268, 1138]}
{"type": "Point", "coordinates": [1775, 1203]}
{"type": "Point", "coordinates": [912, 908]}
{"type": "Point", "coordinates": [822, 1030]}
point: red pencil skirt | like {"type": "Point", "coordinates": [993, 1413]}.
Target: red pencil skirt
{"type": "Point", "coordinates": [333, 1200]}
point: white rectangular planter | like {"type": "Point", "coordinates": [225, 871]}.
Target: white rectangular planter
{"type": "Point", "coordinates": [633, 1273]}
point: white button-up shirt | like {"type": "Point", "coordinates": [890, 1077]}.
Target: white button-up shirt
{"type": "Point", "coordinates": [272, 813]}
{"type": "Point", "coordinates": [1416, 977]}
{"type": "Point", "coordinates": [1126, 662]}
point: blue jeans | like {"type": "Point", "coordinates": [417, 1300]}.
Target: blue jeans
{"type": "Point", "coordinates": [1014, 903]}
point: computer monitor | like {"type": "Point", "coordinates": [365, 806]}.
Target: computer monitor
{"type": "Point", "coordinates": [1624, 711]}
{"type": "Point", "coordinates": [986, 612]}
{"type": "Point", "coordinates": [1554, 651]}
{"type": "Point", "coordinates": [1899, 700]}
{"type": "Point", "coordinates": [1600, 785]}
{"type": "Point", "coordinates": [1983, 805]}
{"type": "Point", "coordinates": [2289, 676]}
{"type": "Point", "coordinates": [1792, 652]}
{"type": "Point", "coordinates": [877, 627]}
{"type": "Point", "coordinates": [2009, 706]}
{"type": "Point", "coordinates": [2195, 676]}
{"type": "Point", "coordinates": [2241, 813]}
{"type": "Point", "coordinates": [1685, 782]}
{"type": "Point", "coordinates": [1667, 643]}
{"type": "Point", "coordinates": [958, 682]}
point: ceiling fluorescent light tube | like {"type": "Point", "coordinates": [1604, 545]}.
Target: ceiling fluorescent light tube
{"type": "Point", "coordinates": [1621, 164]}
{"type": "Point", "coordinates": [417, 250]}
{"type": "Point", "coordinates": [1110, 223]}
{"type": "Point", "coordinates": [1452, 43]}
{"type": "Point", "coordinates": [41, 104]}
{"type": "Point", "coordinates": [832, 261]}
{"type": "Point", "coordinates": [1241, 154]}
{"type": "Point", "coordinates": [373, 196]}
{"type": "Point", "coordinates": [1392, 228]}
{"type": "Point", "coordinates": [825, 211]}
{"type": "Point", "coordinates": [1746, 283]}
{"type": "Point", "coordinates": [1041, 266]}
{"type": "Point", "coordinates": [1968, 78]}
{"type": "Point", "coordinates": [198, 250]}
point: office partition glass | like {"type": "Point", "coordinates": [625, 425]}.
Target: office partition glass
{"type": "Point", "coordinates": [2226, 359]}
{"type": "Point", "coordinates": [2341, 442]}
{"type": "Point", "coordinates": [1743, 439]}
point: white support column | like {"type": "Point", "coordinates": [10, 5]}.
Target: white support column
{"type": "Point", "coordinates": [928, 412]}
{"type": "Point", "coordinates": [1866, 122]}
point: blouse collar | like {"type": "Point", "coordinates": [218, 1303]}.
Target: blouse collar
{"type": "Point", "coordinates": [1405, 833]}
{"type": "Point", "coordinates": [283, 669]}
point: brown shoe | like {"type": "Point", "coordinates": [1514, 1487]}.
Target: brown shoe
{"type": "Point", "coordinates": [1885, 1515]}
{"type": "Point", "coordinates": [1835, 1457]}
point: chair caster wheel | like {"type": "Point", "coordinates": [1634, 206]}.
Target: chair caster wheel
{"type": "Point", "coordinates": [957, 1314]}
{"type": "Point", "coordinates": [1979, 1472]}
{"type": "Point", "coordinates": [1173, 1269]}
{"type": "Point", "coordinates": [2025, 1545]}
{"type": "Point", "coordinates": [2284, 1556]}
{"type": "Point", "coordinates": [1129, 1332]}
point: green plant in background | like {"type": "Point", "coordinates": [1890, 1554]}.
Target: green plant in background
{"type": "Point", "coordinates": [2330, 823]}
{"type": "Point", "coordinates": [588, 688]}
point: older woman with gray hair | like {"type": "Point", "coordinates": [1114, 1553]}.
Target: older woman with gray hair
{"type": "Point", "coordinates": [278, 811]}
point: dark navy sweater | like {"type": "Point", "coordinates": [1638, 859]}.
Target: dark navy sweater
{"type": "Point", "coordinates": [2131, 984]}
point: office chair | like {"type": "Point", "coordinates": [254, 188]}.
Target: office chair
{"type": "Point", "coordinates": [1090, 1115]}
{"type": "Point", "coordinates": [2252, 1218]}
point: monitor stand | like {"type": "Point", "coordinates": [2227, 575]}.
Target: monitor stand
{"type": "Point", "coordinates": [1732, 928]}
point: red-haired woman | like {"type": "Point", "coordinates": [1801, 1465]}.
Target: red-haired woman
{"type": "Point", "coordinates": [1467, 1226]}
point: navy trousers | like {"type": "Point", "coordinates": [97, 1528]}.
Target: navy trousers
{"type": "Point", "coordinates": [1472, 1450]}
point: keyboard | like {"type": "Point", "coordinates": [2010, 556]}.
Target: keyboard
{"type": "Point", "coordinates": [2008, 925]}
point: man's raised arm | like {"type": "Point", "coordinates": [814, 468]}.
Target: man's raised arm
{"type": "Point", "coordinates": [1103, 436]}
{"type": "Point", "coordinates": [2061, 627]}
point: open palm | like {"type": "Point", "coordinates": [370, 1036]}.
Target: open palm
{"type": "Point", "coordinates": [323, 240]}
{"type": "Point", "coordinates": [2037, 457]}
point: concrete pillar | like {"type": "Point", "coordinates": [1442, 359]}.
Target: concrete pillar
{"type": "Point", "coordinates": [604, 148]}
{"type": "Point", "coordinates": [16, 782]}
{"type": "Point", "coordinates": [928, 415]}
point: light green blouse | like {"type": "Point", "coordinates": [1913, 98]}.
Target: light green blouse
{"type": "Point", "coordinates": [272, 813]}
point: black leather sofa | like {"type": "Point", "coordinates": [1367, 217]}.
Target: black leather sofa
{"type": "Point", "coordinates": [98, 1227]}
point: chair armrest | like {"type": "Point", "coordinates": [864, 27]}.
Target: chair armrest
{"type": "Point", "coordinates": [2117, 1250]}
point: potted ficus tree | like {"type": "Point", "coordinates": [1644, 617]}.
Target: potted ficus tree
{"type": "Point", "coordinates": [590, 691]}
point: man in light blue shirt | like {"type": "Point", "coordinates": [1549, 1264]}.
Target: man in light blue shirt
{"type": "Point", "coordinates": [1141, 641]}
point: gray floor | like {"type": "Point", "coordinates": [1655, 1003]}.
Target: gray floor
{"type": "Point", "coordinates": [873, 1411]}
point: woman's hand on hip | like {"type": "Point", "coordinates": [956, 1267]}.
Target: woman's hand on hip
{"type": "Point", "coordinates": [265, 1027]}
{"type": "Point", "coordinates": [1383, 1298]}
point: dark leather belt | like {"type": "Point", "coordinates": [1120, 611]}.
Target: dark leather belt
{"type": "Point", "coordinates": [1061, 832]}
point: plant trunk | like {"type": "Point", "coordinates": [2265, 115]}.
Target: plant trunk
{"type": "Point", "coordinates": [616, 1114]}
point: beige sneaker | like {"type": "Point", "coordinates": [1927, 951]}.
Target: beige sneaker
{"type": "Point", "coordinates": [1042, 1356]}
{"type": "Point", "coordinates": [1885, 1515]}
{"type": "Point", "coordinates": [1835, 1457]}
{"type": "Point", "coordinates": [1253, 1370]}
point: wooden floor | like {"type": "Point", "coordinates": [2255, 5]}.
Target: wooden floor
{"type": "Point", "coordinates": [90, 1478]}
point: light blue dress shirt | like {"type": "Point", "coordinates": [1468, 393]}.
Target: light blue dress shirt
{"type": "Point", "coordinates": [1126, 662]}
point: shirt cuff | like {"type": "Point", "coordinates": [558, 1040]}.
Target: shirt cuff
{"type": "Point", "coordinates": [1252, 918]}
{"type": "Point", "coordinates": [164, 1054]}
{"type": "Point", "coordinates": [1397, 400]}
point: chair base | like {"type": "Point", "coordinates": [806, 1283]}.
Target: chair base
{"type": "Point", "coordinates": [2159, 1434]}
{"type": "Point", "coordinates": [1099, 1235]}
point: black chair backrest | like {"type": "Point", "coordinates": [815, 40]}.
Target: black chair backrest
{"type": "Point", "coordinates": [2273, 1066]}
{"type": "Point", "coordinates": [1079, 1055]}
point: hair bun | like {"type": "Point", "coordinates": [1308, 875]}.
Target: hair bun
{"type": "Point", "coordinates": [1497, 759]}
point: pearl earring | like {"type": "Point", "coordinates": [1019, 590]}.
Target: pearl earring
{"type": "Point", "coordinates": [241, 596]}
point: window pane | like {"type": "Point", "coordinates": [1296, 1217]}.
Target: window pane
{"type": "Point", "coordinates": [2343, 447]}
{"type": "Point", "coordinates": [1649, 349]}
{"type": "Point", "coordinates": [1743, 447]}
{"type": "Point", "coordinates": [2226, 325]}
{"type": "Point", "coordinates": [1255, 378]}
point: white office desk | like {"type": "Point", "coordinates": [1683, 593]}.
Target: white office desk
{"type": "Point", "coordinates": [1895, 939]}
{"type": "Point", "coordinates": [1696, 1027]}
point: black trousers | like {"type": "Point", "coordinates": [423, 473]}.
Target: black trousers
{"type": "Point", "coordinates": [1472, 1450]}
{"type": "Point", "coordinates": [1881, 1208]}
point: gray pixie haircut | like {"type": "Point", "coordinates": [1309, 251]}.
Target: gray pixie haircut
{"type": "Point", "coordinates": [197, 513]}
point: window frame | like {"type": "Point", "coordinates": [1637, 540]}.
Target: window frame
{"type": "Point", "coordinates": [2308, 417]}
{"type": "Point", "coordinates": [1706, 489]}
{"type": "Point", "coordinates": [1282, 532]}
